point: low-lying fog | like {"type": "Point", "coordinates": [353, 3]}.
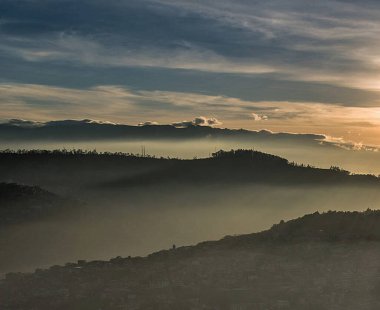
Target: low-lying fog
{"type": "Point", "coordinates": [141, 221]}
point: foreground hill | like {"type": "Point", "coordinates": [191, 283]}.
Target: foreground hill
{"type": "Point", "coordinates": [20, 203]}
{"type": "Point", "coordinates": [319, 261]}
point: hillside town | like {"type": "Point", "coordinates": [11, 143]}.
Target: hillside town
{"type": "Point", "coordinates": [226, 275]}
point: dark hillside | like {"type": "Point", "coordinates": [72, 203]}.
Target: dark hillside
{"type": "Point", "coordinates": [70, 170]}
{"type": "Point", "coordinates": [247, 166]}
{"type": "Point", "coordinates": [19, 203]}
{"type": "Point", "coordinates": [331, 226]}
{"type": "Point", "coordinates": [289, 266]}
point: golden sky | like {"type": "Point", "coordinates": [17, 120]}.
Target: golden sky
{"type": "Point", "coordinates": [289, 65]}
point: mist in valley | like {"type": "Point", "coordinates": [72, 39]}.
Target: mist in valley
{"type": "Point", "coordinates": [115, 218]}
{"type": "Point", "coordinates": [113, 210]}
{"type": "Point", "coordinates": [134, 222]}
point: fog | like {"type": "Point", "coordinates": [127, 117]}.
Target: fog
{"type": "Point", "coordinates": [143, 220]}
{"type": "Point", "coordinates": [137, 220]}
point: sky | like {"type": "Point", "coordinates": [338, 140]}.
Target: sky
{"type": "Point", "coordinates": [283, 65]}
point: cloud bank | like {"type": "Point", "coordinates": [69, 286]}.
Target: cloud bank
{"type": "Point", "coordinates": [119, 104]}
{"type": "Point", "coordinates": [199, 128]}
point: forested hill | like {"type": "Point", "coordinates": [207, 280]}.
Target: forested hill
{"type": "Point", "coordinates": [19, 203]}
{"type": "Point", "coordinates": [246, 166]}
{"type": "Point", "coordinates": [319, 261]}
{"type": "Point", "coordinates": [331, 226]}
{"type": "Point", "coordinates": [118, 170]}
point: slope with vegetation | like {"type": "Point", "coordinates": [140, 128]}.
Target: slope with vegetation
{"type": "Point", "coordinates": [79, 169]}
{"type": "Point", "coordinates": [319, 261]}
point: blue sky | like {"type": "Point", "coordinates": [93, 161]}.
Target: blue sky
{"type": "Point", "coordinates": [283, 65]}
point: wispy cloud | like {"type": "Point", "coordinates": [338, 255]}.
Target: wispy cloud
{"type": "Point", "coordinates": [332, 42]}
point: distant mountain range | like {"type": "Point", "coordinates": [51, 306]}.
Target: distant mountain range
{"type": "Point", "coordinates": [319, 261]}
{"type": "Point", "coordinates": [94, 130]}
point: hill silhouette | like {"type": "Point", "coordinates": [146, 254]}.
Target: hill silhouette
{"type": "Point", "coordinates": [78, 169]}
{"type": "Point", "coordinates": [319, 261]}
{"type": "Point", "coordinates": [332, 226]}
{"type": "Point", "coordinates": [69, 130]}
{"type": "Point", "coordinates": [246, 166]}
{"type": "Point", "coordinates": [20, 203]}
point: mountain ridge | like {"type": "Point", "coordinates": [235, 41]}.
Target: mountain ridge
{"type": "Point", "coordinates": [120, 170]}
{"type": "Point", "coordinates": [95, 130]}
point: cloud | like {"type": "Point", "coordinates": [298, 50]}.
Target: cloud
{"type": "Point", "coordinates": [72, 122]}
{"type": "Point", "coordinates": [257, 117]}
{"type": "Point", "coordinates": [88, 129]}
{"type": "Point", "coordinates": [361, 124]}
{"type": "Point", "coordinates": [120, 104]}
{"type": "Point", "coordinates": [349, 145]}
{"type": "Point", "coordinates": [68, 122]}
{"type": "Point", "coordinates": [333, 42]}
{"type": "Point", "coordinates": [148, 123]}
{"type": "Point", "coordinates": [22, 123]}
{"type": "Point", "coordinates": [199, 121]}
